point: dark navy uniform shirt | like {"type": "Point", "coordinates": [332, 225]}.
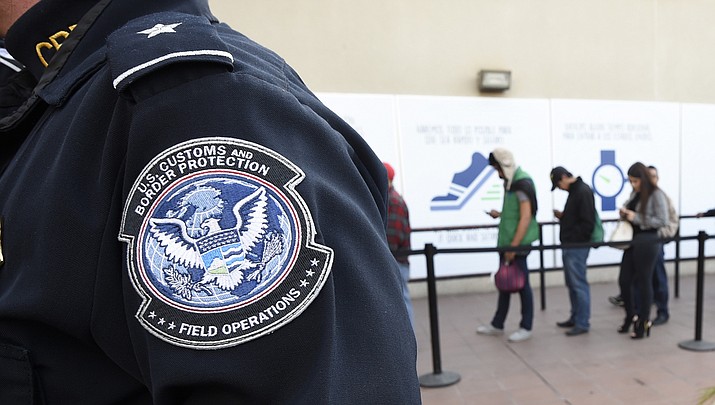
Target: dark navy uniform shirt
{"type": "Point", "coordinates": [184, 222]}
{"type": "Point", "coordinates": [15, 83]}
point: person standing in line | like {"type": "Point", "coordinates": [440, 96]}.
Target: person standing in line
{"type": "Point", "coordinates": [660, 277]}
{"type": "Point", "coordinates": [398, 236]}
{"type": "Point", "coordinates": [577, 222]}
{"type": "Point", "coordinates": [517, 227]}
{"type": "Point", "coordinates": [647, 211]}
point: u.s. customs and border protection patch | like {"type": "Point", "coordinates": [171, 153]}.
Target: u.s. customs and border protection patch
{"type": "Point", "coordinates": [220, 245]}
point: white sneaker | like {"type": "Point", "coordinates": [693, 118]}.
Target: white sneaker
{"type": "Point", "coordinates": [489, 330]}
{"type": "Point", "coordinates": [520, 335]}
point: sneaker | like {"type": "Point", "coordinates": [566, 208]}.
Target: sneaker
{"type": "Point", "coordinates": [520, 335]}
{"type": "Point", "coordinates": [617, 300]}
{"type": "Point", "coordinates": [489, 330]}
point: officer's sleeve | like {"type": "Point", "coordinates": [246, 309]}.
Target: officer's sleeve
{"type": "Point", "coordinates": [253, 229]}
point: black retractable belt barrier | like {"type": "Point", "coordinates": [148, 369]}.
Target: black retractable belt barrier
{"type": "Point", "coordinates": [697, 344]}
{"type": "Point", "coordinates": [438, 378]}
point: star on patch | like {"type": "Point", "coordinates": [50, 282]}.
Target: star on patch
{"type": "Point", "coordinates": [159, 29]}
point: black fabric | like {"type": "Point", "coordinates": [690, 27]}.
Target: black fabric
{"type": "Point", "coordinates": [527, 186]}
{"type": "Point", "coordinates": [68, 292]}
{"type": "Point", "coordinates": [579, 218]}
{"type": "Point", "coordinates": [632, 205]}
{"type": "Point", "coordinates": [16, 376]}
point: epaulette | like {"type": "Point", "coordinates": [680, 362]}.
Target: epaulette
{"type": "Point", "coordinates": [153, 42]}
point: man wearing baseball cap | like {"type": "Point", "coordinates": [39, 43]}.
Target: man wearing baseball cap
{"type": "Point", "coordinates": [577, 222]}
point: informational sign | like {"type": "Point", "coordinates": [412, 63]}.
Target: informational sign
{"type": "Point", "coordinates": [446, 142]}
{"type": "Point", "coordinates": [599, 141]}
{"type": "Point", "coordinates": [373, 116]}
{"type": "Point", "coordinates": [696, 179]}
{"type": "Point", "coordinates": [439, 147]}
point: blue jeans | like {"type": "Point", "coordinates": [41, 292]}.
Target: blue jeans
{"type": "Point", "coordinates": [527, 301]}
{"type": "Point", "coordinates": [577, 284]}
{"type": "Point", "coordinates": [660, 285]}
{"type": "Point", "coordinates": [405, 276]}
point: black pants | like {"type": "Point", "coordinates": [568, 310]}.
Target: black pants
{"type": "Point", "coordinates": [637, 270]}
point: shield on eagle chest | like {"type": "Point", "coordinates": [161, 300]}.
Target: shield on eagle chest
{"type": "Point", "coordinates": [222, 252]}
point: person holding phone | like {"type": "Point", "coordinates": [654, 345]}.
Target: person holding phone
{"type": "Point", "coordinates": [517, 227]}
{"type": "Point", "coordinates": [577, 222]}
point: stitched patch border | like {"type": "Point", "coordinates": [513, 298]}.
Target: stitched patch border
{"type": "Point", "coordinates": [221, 247]}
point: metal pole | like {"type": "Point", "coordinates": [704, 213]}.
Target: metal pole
{"type": "Point", "coordinates": [702, 236]}
{"type": "Point", "coordinates": [542, 276]}
{"type": "Point", "coordinates": [677, 265]}
{"type": "Point", "coordinates": [438, 378]}
{"type": "Point", "coordinates": [698, 344]}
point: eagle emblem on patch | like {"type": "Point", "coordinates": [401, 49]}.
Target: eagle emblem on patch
{"type": "Point", "coordinates": [221, 247]}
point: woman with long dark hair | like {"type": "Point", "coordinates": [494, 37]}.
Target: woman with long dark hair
{"type": "Point", "coordinates": [646, 210]}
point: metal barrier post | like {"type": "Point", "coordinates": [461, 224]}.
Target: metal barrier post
{"type": "Point", "coordinates": [542, 276]}
{"type": "Point", "coordinates": [438, 378]}
{"type": "Point", "coordinates": [676, 288]}
{"type": "Point", "coordinates": [698, 345]}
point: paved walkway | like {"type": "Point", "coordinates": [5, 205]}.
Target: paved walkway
{"type": "Point", "coordinates": [601, 367]}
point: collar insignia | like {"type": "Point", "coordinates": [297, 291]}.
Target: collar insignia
{"type": "Point", "coordinates": [53, 45]}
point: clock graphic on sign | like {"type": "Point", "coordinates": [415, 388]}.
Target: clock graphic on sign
{"type": "Point", "coordinates": [608, 180]}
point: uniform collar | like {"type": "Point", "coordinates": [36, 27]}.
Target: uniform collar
{"type": "Point", "coordinates": [36, 37]}
{"type": "Point", "coordinates": [87, 24]}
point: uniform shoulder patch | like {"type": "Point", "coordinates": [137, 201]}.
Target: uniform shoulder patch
{"type": "Point", "coordinates": [152, 42]}
{"type": "Point", "coordinates": [221, 247]}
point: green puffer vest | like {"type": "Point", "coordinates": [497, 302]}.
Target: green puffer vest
{"type": "Point", "coordinates": [510, 216]}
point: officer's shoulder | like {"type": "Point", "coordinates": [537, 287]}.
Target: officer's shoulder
{"type": "Point", "coordinates": [164, 42]}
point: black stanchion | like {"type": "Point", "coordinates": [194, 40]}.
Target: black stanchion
{"type": "Point", "coordinates": [438, 378]}
{"type": "Point", "coordinates": [676, 288]}
{"type": "Point", "coordinates": [697, 344]}
{"type": "Point", "coordinates": [542, 275]}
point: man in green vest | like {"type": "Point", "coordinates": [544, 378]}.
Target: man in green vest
{"type": "Point", "coordinates": [517, 227]}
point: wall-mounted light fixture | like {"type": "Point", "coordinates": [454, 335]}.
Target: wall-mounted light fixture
{"type": "Point", "coordinates": [494, 81]}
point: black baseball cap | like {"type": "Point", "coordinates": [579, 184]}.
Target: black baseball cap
{"type": "Point", "coordinates": [556, 174]}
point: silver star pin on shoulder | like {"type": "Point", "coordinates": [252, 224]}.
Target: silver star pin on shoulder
{"type": "Point", "coordinates": [159, 29]}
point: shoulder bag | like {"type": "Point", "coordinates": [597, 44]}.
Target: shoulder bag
{"type": "Point", "coordinates": [622, 233]}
